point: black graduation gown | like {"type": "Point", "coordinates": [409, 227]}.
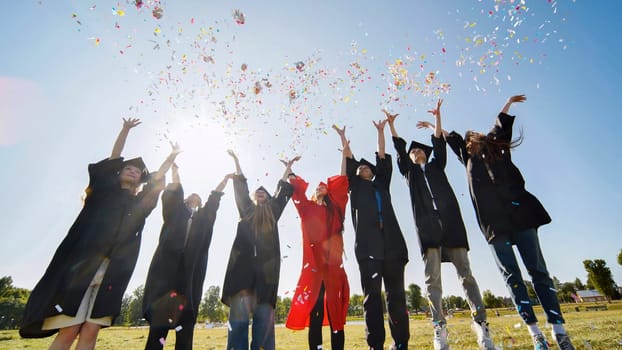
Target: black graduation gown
{"type": "Point", "coordinates": [445, 229]}
{"type": "Point", "coordinates": [255, 259]}
{"type": "Point", "coordinates": [371, 241]}
{"type": "Point", "coordinates": [177, 271]}
{"type": "Point", "coordinates": [502, 204]}
{"type": "Point", "coordinates": [109, 226]}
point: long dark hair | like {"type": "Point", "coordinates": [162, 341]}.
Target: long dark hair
{"type": "Point", "coordinates": [488, 147]}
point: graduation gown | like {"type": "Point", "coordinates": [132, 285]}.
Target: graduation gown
{"type": "Point", "coordinates": [371, 241]}
{"type": "Point", "coordinates": [177, 271]}
{"type": "Point", "coordinates": [442, 227]}
{"type": "Point", "coordinates": [322, 244]}
{"type": "Point", "coordinates": [255, 258]}
{"type": "Point", "coordinates": [502, 204]}
{"type": "Point", "coordinates": [109, 226]}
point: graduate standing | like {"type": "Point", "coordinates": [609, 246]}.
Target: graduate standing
{"type": "Point", "coordinates": [323, 284]}
{"type": "Point", "coordinates": [82, 288]}
{"type": "Point", "coordinates": [441, 232]}
{"type": "Point", "coordinates": [380, 248]}
{"type": "Point", "coordinates": [252, 277]}
{"type": "Point", "coordinates": [509, 215]}
{"type": "Point", "coordinates": [175, 281]}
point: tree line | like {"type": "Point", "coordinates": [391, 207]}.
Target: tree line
{"type": "Point", "coordinates": [13, 299]}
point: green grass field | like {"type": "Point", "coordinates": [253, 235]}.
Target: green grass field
{"type": "Point", "coordinates": [600, 330]}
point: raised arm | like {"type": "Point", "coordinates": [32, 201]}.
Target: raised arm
{"type": "Point", "coordinates": [512, 99]}
{"type": "Point", "coordinates": [128, 124]}
{"type": "Point", "coordinates": [238, 170]}
{"type": "Point", "coordinates": [175, 174]}
{"type": "Point", "coordinates": [436, 112]}
{"type": "Point", "coordinates": [168, 162]}
{"type": "Point", "coordinates": [288, 167]}
{"type": "Point", "coordinates": [391, 119]}
{"type": "Point", "coordinates": [345, 144]}
{"type": "Point", "coordinates": [381, 143]}
{"type": "Point", "coordinates": [223, 183]}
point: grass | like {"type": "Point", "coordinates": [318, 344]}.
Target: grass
{"type": "Point", "coordinates": [597, 330]}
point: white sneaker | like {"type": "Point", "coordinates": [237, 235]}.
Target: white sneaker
{"type": "Point", "coordinates": [484, 340]}
{"type": "Point", "coordinates": [563, 341]}
{"type": "Point", "coordinates": [440, 337]}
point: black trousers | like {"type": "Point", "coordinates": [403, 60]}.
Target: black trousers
{"type": "Point", "coordinates": [337, 338]}
{"type": "Point", "coordinates": [183, 337]}
{"type": "Point", "coordinates": [391, 272]}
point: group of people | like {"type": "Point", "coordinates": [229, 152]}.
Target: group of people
{"type": "Point", "coordinates": [82, 288]}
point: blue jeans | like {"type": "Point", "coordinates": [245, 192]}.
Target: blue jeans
{"type": "Point", "coordinates": [529, 248]}
{"type": "Point", "coordinates": [241, 307]}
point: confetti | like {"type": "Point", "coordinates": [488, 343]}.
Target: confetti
{"type": "Point", "coordinates": [238, 17]}
{"type": "Point", "coordinates": [58, 308]}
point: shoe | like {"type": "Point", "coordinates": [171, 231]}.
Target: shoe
{"type": "Point", "coordinates": [440, 337]}
{"type": "Point", "coordinates": [484, 340]}
{"type": "Point", "coordinates": [563, 341]}
{"type": "Point", "coordinates": [539, 342]}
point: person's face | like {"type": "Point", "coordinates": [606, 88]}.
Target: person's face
{"type": "Point", "coordinates": [261, 196]}
{"type": "Point", "coordinates": [131, 174]}
{"type": "Point", "coordinates": [472, 144]}
{"type": "Point", "coordinates": [364, 172]}
{"type": "Point", "coordinates": [193, 201]}
{"type": "Point", "coordinates": [321, 191]}
{"type": "Point", "coordinates": [417, 156]}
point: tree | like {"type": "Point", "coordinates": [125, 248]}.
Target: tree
{"type": "Point", "coordinates": [564, 293]}
{"type": "Point", "coordinates": [413, 297]}
{"type": "Point", "coordinates": [620, 257]}
{"type": "Point", "coordinates": [455, 302]}
{"type": "Point", "coordinates": [12, 303]}
{"type": "Point", "coordinates": [355, 308]}
{"type": "Point", "coordinates": [135, 306]}
{"type": "Point", "coordinates": [282, 309]}
{"type": "Point", "coordinates": [490, 300]}
{"type": "Point", "coordinates": [211, 308]}
{"type": "Point", "coordinates": [531, 291]}
{"type": "Point", "coordinates": [578, 284]}
{"type": "Point", "coordinates": [600, 276]}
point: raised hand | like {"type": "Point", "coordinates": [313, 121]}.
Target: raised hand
{"type": "Point", "coordinates": [175, 149]}
{"type": "Point", "coordinates": [517, 98]}
{"type": "Point", "coordinates": [380, 124]}
{"type": "Point", "coordinates": [437, 111]}
{"type": "Point", "coordinates": [130, 122]}
{"type": "Point", "coordinates": [340, 132]}
{"type": "Point", "coordinates": [390, 117]}
{"type": "Point", "coordinates": [289, 163]}
{"type": "Point", "coordinates": [232, 154]}
{"type": "Point", "coordinates": [422, 124]}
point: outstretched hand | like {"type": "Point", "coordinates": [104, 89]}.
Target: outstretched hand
{"type": "Point", "coordinates": [380, 124]}
{"type": "Point", "coordinates": [175, 148]}
{"type": "Point", "coordinates": [437, 111]}
{"type": "Point", "coordinates": [422, 124]}
{"type": "Point", "coordinates": [232, 154]}
{"type": "Point", "coordinates": [340, 132]}
{"type": "Point", "coordinates": [517, 98]}
{"type": "Point", "coordinates": [289, 163]}
{"type": "Point", "coordinates": [390, 117]}
{"type": "Point", "coordinates": [130, 122]}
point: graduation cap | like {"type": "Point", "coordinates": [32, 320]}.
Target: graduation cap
{"type": "Point", "coordinates": [371, 167]}
{"type": "Point", "coordinates": [425, 148]}
{"type": "Point", "coordinates": [261, 188]}
{"type": "Point", "coordinates": [140, 164]}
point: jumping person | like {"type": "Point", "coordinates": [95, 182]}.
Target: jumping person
{"type": "Point", "coordinates": [441, 231]}
{"type": "Point", "coordinates": [509, 215]}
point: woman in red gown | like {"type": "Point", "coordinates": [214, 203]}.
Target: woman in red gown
{"type": "Point", "coordinates": [322, 294]}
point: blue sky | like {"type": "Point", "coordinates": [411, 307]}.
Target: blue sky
{"type": "Point", "coordinates": [64, 87]}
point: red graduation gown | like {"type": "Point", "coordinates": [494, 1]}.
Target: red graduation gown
{"type": "Point", "coordinates": [322, 240]}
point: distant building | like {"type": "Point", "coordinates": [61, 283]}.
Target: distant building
{"type": "Point", "coordinates": [589, 296]}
